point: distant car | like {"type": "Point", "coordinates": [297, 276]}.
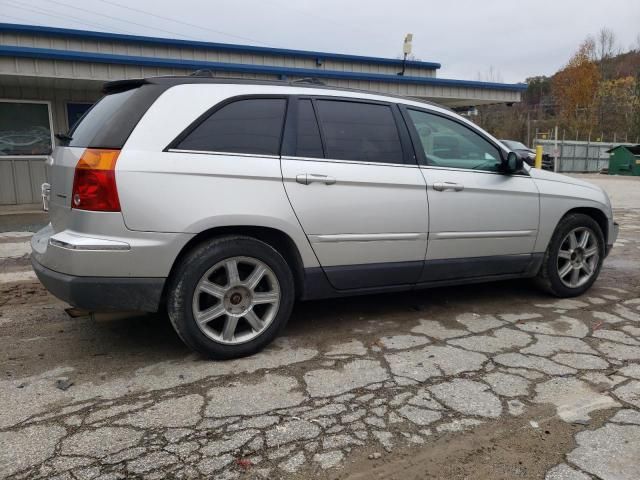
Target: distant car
{"type": "Point", "coordinates": [528, 154]}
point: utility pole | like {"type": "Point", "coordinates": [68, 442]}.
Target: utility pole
{"type": "Point", "coordinates": [406, 50]}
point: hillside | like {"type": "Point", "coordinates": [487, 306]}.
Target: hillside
{"type": "Point", "coordinates": [588, 98]}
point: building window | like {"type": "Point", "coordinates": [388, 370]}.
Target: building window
{"type": "Point", "coordinates": [75, 111]}
{"type": "Point", "coordinates": [25, 128]}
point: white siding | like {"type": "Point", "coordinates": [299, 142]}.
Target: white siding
{"type": "Point", "coordinates": [212, 55]}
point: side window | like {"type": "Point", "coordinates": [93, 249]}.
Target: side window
{"type": "Point", "coordinates": [308, 143]}
{"type": "Point", "coordinates": [246, 126]}
{"type": "Point", "coordinates": [359, 131]}
{"type": "Point", "coordinates": [447, 143]}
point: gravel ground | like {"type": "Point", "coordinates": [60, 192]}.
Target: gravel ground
{"type": "Point", "coordinates": [487, 381]}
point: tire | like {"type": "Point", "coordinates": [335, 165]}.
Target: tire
{"type": "Point", "coordinates": [208, 269]}
{"type": "Point", "coordinates": [552, 276]}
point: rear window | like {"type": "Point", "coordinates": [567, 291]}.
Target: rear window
{"type": "Point", "coordinates": [109, 122]}
{"type": "Point", "coordinates": [252, 126]}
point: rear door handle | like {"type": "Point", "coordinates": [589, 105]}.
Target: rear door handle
{"type": "Point", "coordinates": [307, 178]}
{"type": "Point", "coordinates": [442, 186]}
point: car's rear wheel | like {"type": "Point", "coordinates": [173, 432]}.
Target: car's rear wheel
{"type": "Point", "coordinates": [230, 297]}
{"type": "Point", "coordinates": [574, 257]}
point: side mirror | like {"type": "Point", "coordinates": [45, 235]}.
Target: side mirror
{"type": "Point", "coordinates": [513, 163]}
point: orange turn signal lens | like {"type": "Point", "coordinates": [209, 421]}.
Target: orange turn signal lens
{"type": "Point", "coordinates": [98, 159]}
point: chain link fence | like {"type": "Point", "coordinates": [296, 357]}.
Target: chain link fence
{"type": "Point", "coordinates": [577, 156]}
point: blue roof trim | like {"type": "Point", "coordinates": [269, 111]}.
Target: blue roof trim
{"type": "Point", "coordinates": [230, 47]}
{"type": "Point", "coordinates": [49, 54]}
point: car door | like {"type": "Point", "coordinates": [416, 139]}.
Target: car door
{"type": "Point", "coordinates": [356, 189]}
{"type": "Point", "coordinates": [482, 222]}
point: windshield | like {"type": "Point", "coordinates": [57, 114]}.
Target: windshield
{"type": "Point", "coordinates": [513, 145]}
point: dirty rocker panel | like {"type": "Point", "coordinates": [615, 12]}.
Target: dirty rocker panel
{"type": "Point", "coordinates": [369, 279]}
{"type": "Point", "coordinates": [455, 268]}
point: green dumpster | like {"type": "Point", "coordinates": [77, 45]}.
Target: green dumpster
{"type": "Point", "coordinates": [624, 160]}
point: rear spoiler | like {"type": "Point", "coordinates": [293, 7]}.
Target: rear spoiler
{"type": "Point", "coordinates": [123, 85]}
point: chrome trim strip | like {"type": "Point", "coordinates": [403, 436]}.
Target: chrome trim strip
{"type": "Point", "coordinates": [470, 170]}
{"type": "Point", "coordinates": [89, 247]}
{"type": "Point", "coordinates": [232, 154]}
{"type": "Point", "coordinates": [488, 234]}
{"type": "Point", "coordinates": [356, 162]}
{"type": "Point", "coordinates": [366, 237]}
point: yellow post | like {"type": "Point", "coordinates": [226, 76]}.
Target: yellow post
{"type": "Point", "coordinates": [538, 162]}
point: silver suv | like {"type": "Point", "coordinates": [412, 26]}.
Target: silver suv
{"type": "Point", "coordinates": [226, 201]}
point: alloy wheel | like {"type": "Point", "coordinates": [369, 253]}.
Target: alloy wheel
{"type": "Point", "coordinates": [578, 257]}
{"type": "Point", "coordinates": [236, 300]}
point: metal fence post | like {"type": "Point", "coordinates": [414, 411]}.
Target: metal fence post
{"type": "Point", "coordinates": [561, 151]}
{"type": "Point", "coordinates": [586, 155]}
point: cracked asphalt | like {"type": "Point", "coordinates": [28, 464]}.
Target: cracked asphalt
{"type": "Point", "coordinates": [486, 381]}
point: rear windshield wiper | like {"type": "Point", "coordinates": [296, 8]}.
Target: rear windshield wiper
{"type": "Point", "coordinates": [64, 137]}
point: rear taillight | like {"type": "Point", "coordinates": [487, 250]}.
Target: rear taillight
{"type": "Point", "coordinates": [94, 182]}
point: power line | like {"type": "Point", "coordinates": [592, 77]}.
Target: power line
{"type": "Point", "coordinates": [49, 13]}
{"type": "Point", "coordinates": [182, 22]}
{"type": "Point", "coordinates": [14, 18]}
{"type": "Point", "coordinates": [75, 7]}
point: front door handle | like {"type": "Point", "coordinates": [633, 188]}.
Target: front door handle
{"type": "Point", "coordinates": [442, 186]}
{"type": "Point", "coordinates": [307, 178]}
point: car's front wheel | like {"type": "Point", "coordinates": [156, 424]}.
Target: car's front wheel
{"type": "Point", "coordinates": [574, 257]}
{"type": "Point", "coordinates": [230, 297]}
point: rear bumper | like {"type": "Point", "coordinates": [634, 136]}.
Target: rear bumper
{"type": "Point", "coordinates": [102, 293]}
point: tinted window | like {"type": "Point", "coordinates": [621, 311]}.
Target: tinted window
{"type": "Point", "coordinates": [447, 143]}
{"type": "Point", "coordinates": [308, 143]}
{"type": "Point", "coordinates": [109, 122]}
{"type": "Point", "coordinates": [245, 126]}
{"type": "Point", "coordinates": [359, 131]}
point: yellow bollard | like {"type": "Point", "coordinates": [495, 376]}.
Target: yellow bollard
{"type": "Point", "coordinates": [538, 162]}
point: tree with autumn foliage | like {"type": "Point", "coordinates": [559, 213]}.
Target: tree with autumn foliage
{"type": "Point", "coordinates": [575, 89]}
{"type": "Point", "coordinates": [595, 96]}
{"type": "Point", "coordinates": [617, 105]}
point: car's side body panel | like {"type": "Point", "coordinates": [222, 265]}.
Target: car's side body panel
{"type": "Point", "coordinates": [560, 194]}
{"type": "Point", "coordinates": [373, 213]}
{"type": "Point", "coordinates": [194, 192]}
{"type": "Point", "coordinates": [494, 214]}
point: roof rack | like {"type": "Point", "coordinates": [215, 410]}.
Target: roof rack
{"type": "Point", "coordinates": [309, 81]}
{"type": "Point", "coordinates": [203, 72]}
{"type": "Point", "coordinates": [206, 76]}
